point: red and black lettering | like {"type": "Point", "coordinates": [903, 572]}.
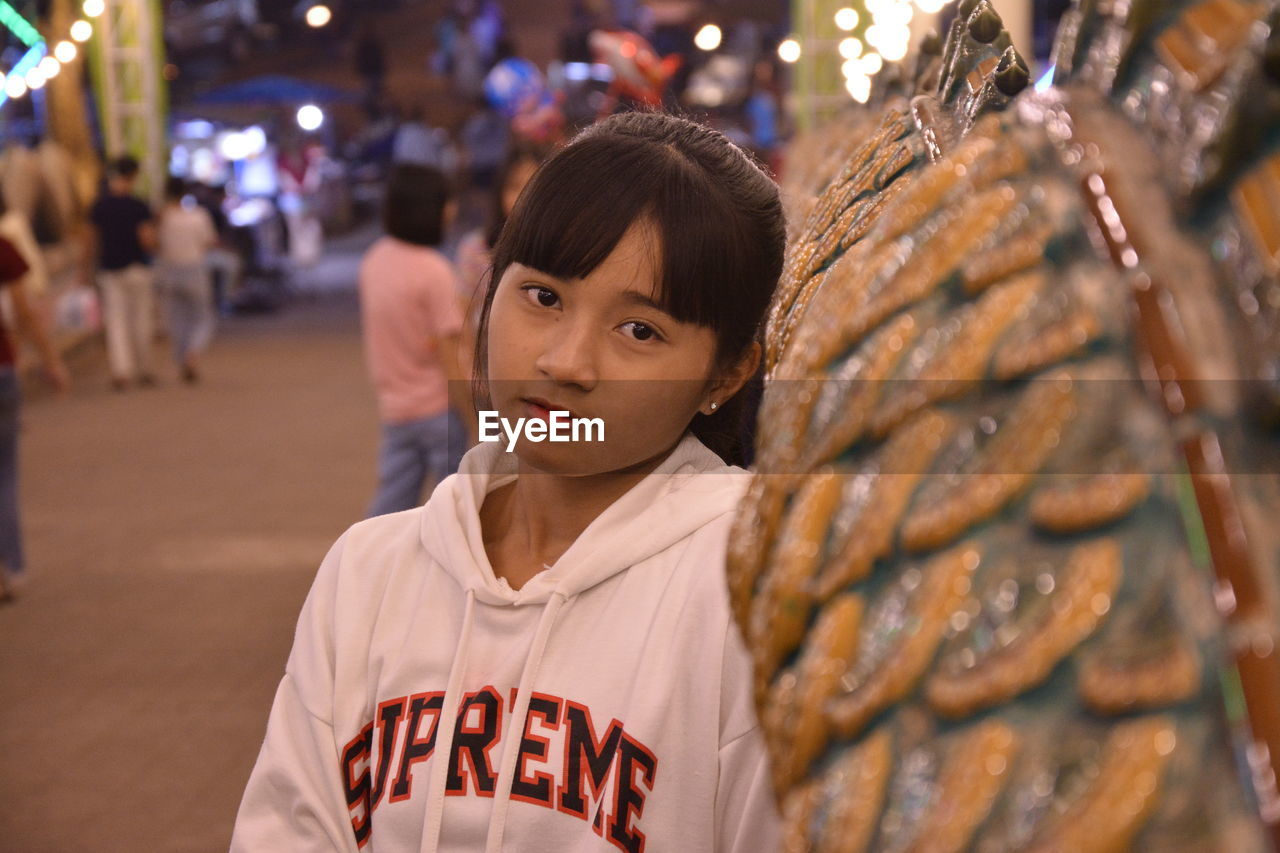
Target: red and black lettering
{"type": "Point", "coordinates": [628, 797]}
{"type": "Point", "coordinates": [388, 720]}
{"type": "Point", "coordinates": [415, 748]}
{"type": "Point", "coordinates": [355, 781]}
{"type": "Point", "coordinates": [536, 790]}
{"type": "Point", "coordinates": [471, 744]}
{"type": "Point", "coordinates": [584, 754]}
{"type": "Point", "coordinates": [577, 764]}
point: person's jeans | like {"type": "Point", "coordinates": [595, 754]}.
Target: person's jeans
{"type": "Point", "coordinates": [192, 317]}
{"type": "Point", "coordinates": [128, 315]}
{"type": "Point", "coordinates": [410, 453]}
{"type": "Point", "coordinates": [225, 269]}
{"type": "Point", "coordinates": [11, 557]}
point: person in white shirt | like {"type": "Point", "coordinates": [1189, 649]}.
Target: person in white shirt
{"type": "Point", "coordinates": [417, 143]}
{"type": "Point", "coordinates": [556, 618]}
{"type": "Point", "coordinates": [186, 234]}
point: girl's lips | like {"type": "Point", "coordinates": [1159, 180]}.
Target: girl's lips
{"type": "Point", "coordinates": [542, 409]}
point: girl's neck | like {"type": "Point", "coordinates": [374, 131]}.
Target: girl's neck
{"type": "Point", "coordinates": [528, 524]}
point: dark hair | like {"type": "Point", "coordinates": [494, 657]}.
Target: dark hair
{"type": "Point", "coordinates": [717, 215]}
{"type": "Point", "coordinates": [125, 166]}
{"type": "Point", "coordinates": [175, 187]}
{"type": "Point", "coordinates": [519, 152]}
{"type": "Point", "coordinates": [414, 207]}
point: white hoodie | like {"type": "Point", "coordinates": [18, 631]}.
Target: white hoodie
{"type": "Point", "coordinates": [633, 723]}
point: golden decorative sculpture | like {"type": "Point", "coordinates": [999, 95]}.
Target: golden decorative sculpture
{"type": "Point", "coordinates": [1008, 564]}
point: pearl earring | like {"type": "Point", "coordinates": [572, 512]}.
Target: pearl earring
{"type": "Point", "coordinates": [714, 405]}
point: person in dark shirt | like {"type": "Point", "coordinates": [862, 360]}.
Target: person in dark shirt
{"type": "Point", "coordinates": [13, 269]}
{"type": "Point", "coordinates": [123, 234]}
{"type": "Point", "coordinates": [226, 264]}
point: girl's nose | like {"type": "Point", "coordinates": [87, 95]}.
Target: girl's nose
{"type": "Point", "coordinates": [568, 356]}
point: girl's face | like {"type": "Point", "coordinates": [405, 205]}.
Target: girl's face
{"type": "Point", "coordinates": [599, 347]}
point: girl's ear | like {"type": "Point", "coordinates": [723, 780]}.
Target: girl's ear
{"type": "Point", "coordinates": [728, 384]}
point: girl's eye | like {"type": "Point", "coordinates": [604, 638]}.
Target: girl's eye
{"type": "Point", "coordinates": [544, 297]}
{"type": "Point", "coordinates": [641, 332]}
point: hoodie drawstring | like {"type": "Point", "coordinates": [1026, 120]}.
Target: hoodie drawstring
{"type": "Point", "coordinates": [433, 820]}
{"type": "Point", "coordinates": [515, 726]}
{"type": "Point", "coordinates": [434, 817]}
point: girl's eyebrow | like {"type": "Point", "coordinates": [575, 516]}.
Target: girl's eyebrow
{"type": "Point", "coordinates": [635, 297]}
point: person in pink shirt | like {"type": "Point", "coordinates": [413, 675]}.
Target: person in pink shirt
{"type": "Point", "coordinates": [411, 322]}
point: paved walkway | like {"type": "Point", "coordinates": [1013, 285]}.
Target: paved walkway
{"type": "Point", "coordinates": [172, 535]}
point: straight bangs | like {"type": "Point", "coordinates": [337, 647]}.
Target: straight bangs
{"type": "Point", "coordinates": [579, 205]}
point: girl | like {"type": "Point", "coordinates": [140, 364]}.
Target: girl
{"type": "Point", "coordinates": [556, 618]}
{"type": "Point", "coordinates": [410, 320]}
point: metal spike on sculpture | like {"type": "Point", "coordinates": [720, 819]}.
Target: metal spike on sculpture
{"type": "Point", "coordinates": [1008, 567]}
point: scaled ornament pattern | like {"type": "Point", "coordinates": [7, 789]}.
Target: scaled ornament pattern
{"type": "Point", "coordinates": [1008, 565]}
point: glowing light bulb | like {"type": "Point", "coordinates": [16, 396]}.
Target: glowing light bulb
{"type": "Point", "coordinates": [318, 16]}
{"type": "Point", "coordinates": [850, 48]}
{"type": "Point", "coordinates": [49, 67]}
{"type": "Point", "coordinates": [878, 8]}
{"type": "Point", "coordinates": [846, 18]}
{"type": "Point", "coordinates": [15, 87]}
{"type": "Point", "coordinates": [65, 51]}
{"type": "Point", "coordinates": [708, 38]}
{"type": "Point", "coordinates": [94, 8]}
{"type": "Point", "coordinates": [310, 117]}
{"type": "Point", "coordinates": [81, 31]}
{"type": "Point", "coordinates": [895, 44]}
{"type": "Point", "coordinates": [789, 50]}
{"type": "Point", "coordinates": [858, 87]}
{"type": "Point", "coordinates": [899, 14]}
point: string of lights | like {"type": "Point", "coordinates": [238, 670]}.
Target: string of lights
{"type": "Point", "coordinates": [876, 32]}
{"type": "Point", "coordinates": [40, 64]}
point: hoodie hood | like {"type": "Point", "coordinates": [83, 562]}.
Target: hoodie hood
{"type": "Point", "coordinates": [663, 508]}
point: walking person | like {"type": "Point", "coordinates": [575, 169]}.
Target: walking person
{"type": "Point", "coordinates": [411, 323]}
{"type": "Point", "coordinates": [186, 235]}
{"type": "Point", "coordinates": [13, 271]}
{"type": "Point", "coordinates": [543, 658]}
{"type": "Point", "coordinates": [120, 237]}
{"type": "Point", "coordinates": [16, 228]}
{"type": "Point", "coordinates": [226, 266]}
